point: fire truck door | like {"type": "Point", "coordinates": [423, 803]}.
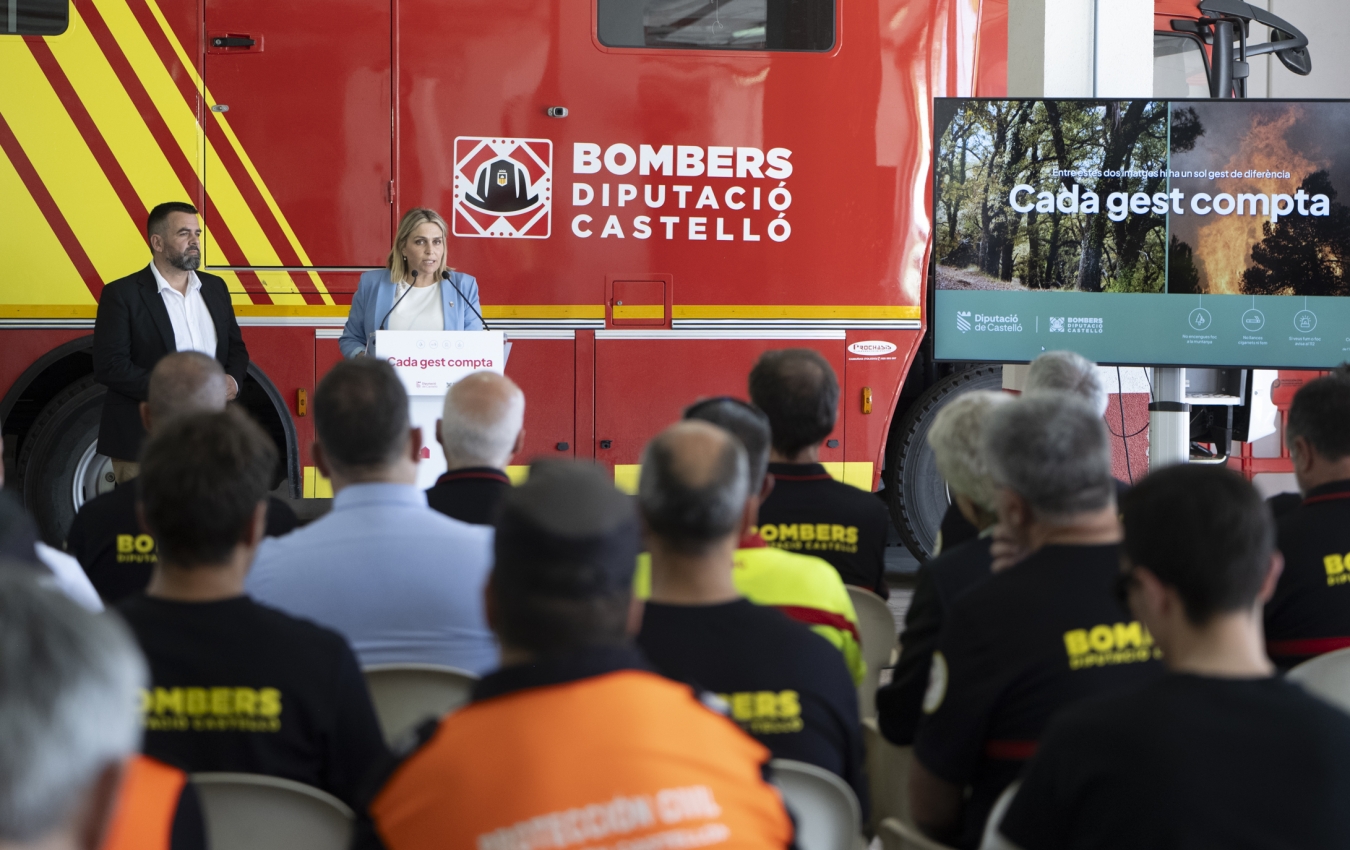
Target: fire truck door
{"type": "Point", "coordinates": [303, 86]}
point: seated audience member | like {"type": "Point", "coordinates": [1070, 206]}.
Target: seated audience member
{"type": "Point", "coordinates": [785, 686]}
{"type": "Point", "coordinates": [106, 538]}
{"type": "Point", "coordinates": [401, 582]}
{"type": "Point", "coordinates": [1034, 638]}
{"type": "Point", "coordinates": [1219, 752]}
{"type": "Point", "coordinates": [19, 544]}
{"type": "Point", "coordinates": [69, 779]}
{"type": "Point", "coordinates": [955, 440]}
{"type": "Point", "coordinates": [804, 587]}
{"type": "Point", "coordinates": [808, 511]}
{"type": "Point", "coordinates": [481, 428]}
{"type": "Point", "coordinates": [575, 740]}
{"type": "Point", "coordinates": [1310, 612]}
{"type": "Point", "coordinates": [1054, 371]}
{"type": "Point", "coordinates": [234, 685]}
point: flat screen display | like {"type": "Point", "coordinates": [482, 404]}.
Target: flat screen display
{"type": "Point", "coordinates": [1150, 232]}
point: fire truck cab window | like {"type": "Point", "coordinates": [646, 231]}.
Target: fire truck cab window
{"type": "Point", "coordinates": [717, 24]}
{"type": "Point", "coordinates": [34, 17]}
{"type": "Point", "coordinates": [1179, 68]}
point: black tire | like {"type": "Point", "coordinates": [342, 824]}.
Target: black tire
{"type": "Point", "coordinates": [48, 461]}
{"type": "Point", "coordinates": [917, 495]}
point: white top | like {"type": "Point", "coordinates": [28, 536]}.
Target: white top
{"type": "Point", "coordinates": [193, 329]}
{"type": "Point", "coordinates": [420, 310]}
{"type": "Point", "coordinates": [70, 577]}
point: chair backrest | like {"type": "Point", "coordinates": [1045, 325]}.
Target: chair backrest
{"type": "Point", "coordinates": [898, 835]}
{"type": "Point", "coordinates": [887, 776]}
{"type": "Point", "coordinates": [405, 695]}
{"type": "Point", "coordinates": [1326, 676]}
{"type": "Point", "coordinates": [828, 815]}
{"type": "Point", "coordinates": [993, 839]}
{"type": "Point", "coordinates": [245, 811]}
{"type": "Point", "coordinates": [876, 626]}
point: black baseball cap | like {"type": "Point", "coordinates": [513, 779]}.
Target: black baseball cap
{"type": "Point", "coordinates": [567, 532]}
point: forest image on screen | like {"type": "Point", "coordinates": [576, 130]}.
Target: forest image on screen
{"type": "Point", "coordinates": [1142, 231]}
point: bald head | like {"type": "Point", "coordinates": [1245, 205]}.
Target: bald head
{"type": "Point", "coordinates": [185, 382]}
{"type": "Point", "coordinates": [694, 484]}
{"type": "Point", "coordinates": [482, 419]}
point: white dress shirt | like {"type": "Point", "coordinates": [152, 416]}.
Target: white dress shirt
{"type": "Point", "coordinates": [193, 329]}
{"type": "Point", "coordinates": [419, 310]}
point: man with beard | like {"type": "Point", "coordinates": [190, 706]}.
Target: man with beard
{"type": "Point", "coordinates": [165, 307]}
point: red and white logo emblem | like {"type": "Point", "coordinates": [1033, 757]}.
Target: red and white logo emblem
{"type": "Point", "coordinates": [503, 187]}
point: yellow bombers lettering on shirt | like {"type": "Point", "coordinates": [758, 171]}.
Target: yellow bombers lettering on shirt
{"type": "Point", "coordinates": [809, 536]}
{"type": "Point", "coordinates": [766, 712]}
{"type": "Point", "coordinates": [136, 549]}
{"type": "Point", "coordinates": [1107, 645]}
{"type": "Point", "coordinates": [214, 709]}
{"type": "Point", "coordinates": [1338, 568]}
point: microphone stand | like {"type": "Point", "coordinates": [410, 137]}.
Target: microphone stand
{"type": "Point", "coordinates": [445, 275]}
{"type": "Point", "coordinates": [391, 309]}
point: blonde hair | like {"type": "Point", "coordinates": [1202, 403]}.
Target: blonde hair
{"type": "Point", "coordinates": [412, 219]}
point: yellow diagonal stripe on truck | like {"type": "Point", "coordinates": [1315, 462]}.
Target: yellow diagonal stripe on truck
{"type": "Point", "coordinates": [179, 117]}
{"type": "Point", "coordinates": [241, 154]}
{"type": "Point", "coordinates": [37, 267]}
{"type": "Point", "coordinates": [115, 115]}
{"type": "Point", "coordinates": [66, 167]}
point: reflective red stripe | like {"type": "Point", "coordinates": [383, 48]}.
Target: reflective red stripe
{"type": "Point", "coordinates": [1010, 750]}
{"type": "Point", "coordinates": [1326, 497]}
{"type": "Point", "coordinates": [817, 617]}
{"type": "Point", "coordinates": [492, 476]}
{"type": "Point", "coordinates": [1307, 646]}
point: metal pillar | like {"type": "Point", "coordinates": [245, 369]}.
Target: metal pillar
{"type": "Point", "coordinates": [1169, 420]}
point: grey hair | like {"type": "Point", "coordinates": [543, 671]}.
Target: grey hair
{"type": "Point", "coordinates": [1052, 450]}
{"type": "Point", "coordinates": [955, 440]}
{"type": "Point", "coordinates": [70, 685]}
{"type": "Point", "coordinates": [186, 382]}
{"type": "Point", "coordinates": [688, 507]}
{"type": "Point", "coordinates": [1068, 372]}
{"type": "Point", "coordinates": [482, 434]}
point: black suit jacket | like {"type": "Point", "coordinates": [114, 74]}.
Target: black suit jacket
{"type": "Point", "coordinates": [132, 332]}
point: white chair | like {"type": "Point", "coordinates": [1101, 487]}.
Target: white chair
{"type": "Point", "coordinates": [828, 815]}
{"type": "Point", "coordinates": [876, 627]}
{"type": "Point", "coordinates": [246, 811]}
{"type": "Point", "coordinates": [1326, 676]}
{"type": "Point", "coordinates": [993, 839]}
{"type": "Point", "coordinates": [898, 835]}
{"type": "Point", "coordinates": [405, 695]}
{"type": "Point", "coordinates": [887, 776]}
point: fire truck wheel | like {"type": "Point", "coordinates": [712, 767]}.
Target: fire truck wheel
{"type": "Point", "coordinates": [917, 494]}
{"type": "Point", "coordinates": [57, 466]}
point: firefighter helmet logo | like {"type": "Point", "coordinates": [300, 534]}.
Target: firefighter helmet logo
{"type": "Point", "coordinates": [503, 187]}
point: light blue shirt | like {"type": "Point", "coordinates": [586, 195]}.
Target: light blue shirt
{"type": "Point", "coordinates": [403, 583]}
{"type": "Point", "coordinates": [376, 295]}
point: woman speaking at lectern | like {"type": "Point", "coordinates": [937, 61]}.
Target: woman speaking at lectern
{"type": "Point", "coordinates": [414, 291]}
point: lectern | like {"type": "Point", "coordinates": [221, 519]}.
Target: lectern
{"type": "Point", "coordinates": [428, 363]}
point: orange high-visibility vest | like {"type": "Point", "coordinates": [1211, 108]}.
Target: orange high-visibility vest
{"type": "Point", "coordinates": [615, 758]}
{"type": "Point", "coordinates": [146, 806]}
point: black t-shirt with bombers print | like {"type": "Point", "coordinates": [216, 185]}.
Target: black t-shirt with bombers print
{"type": "Point", "coordinates": [236, 686]}
{"type": "Point", "coordinates": [1014, 650]}
{"type": "Point", "coordinates": [811, 513]}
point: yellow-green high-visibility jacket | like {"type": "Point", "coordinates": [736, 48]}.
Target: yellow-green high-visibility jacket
{"type": "Point", "coordinates": [804, 587]}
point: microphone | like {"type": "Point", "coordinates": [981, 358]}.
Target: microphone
{"type": "Point", "coordinates": [445, 276]}
{"type": "Point", "coordinates": [400, 298]}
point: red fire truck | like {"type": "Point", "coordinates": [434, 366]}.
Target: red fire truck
{"type": "Point", "coordinates": [689, 183]}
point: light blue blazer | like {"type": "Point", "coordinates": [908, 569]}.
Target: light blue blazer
{"type": "Point", "coordinates": [375, 297]}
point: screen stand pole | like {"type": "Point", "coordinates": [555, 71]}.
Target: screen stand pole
{"type": "Point", "coordinates": [1169, 420]}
